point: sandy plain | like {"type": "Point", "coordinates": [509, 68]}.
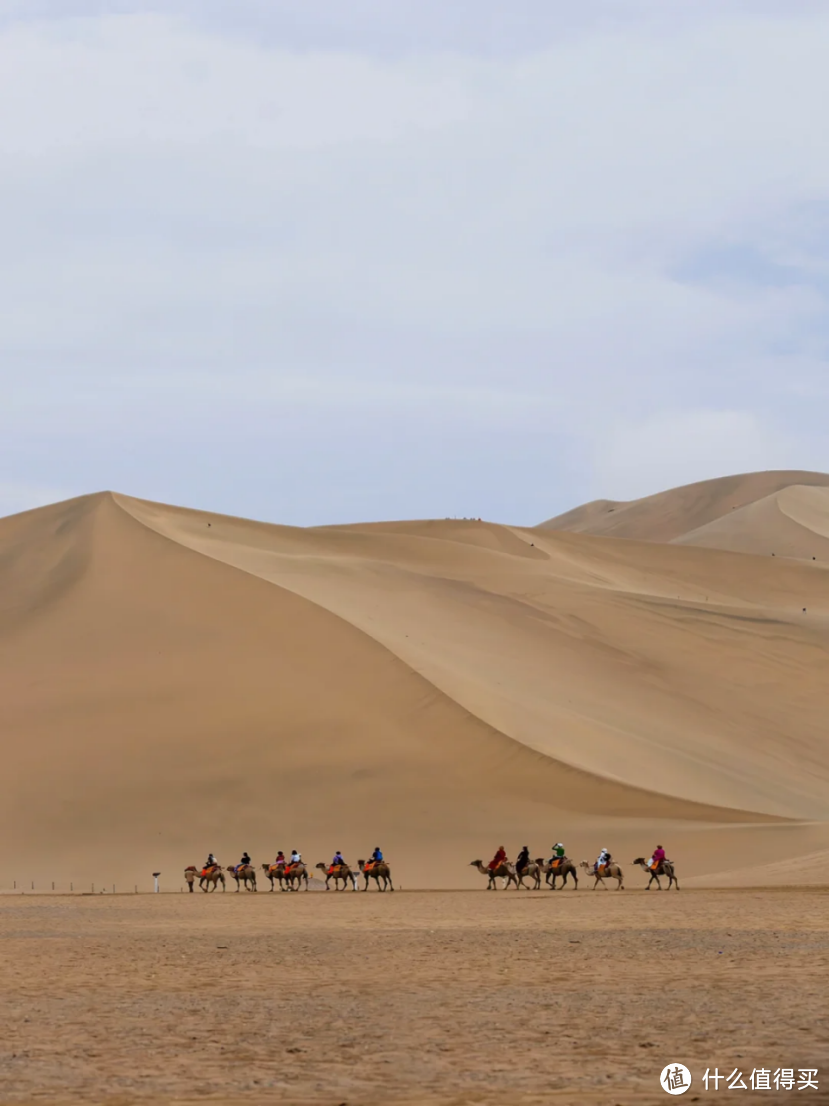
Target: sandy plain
{"type": "Point", "coordinates": [436, 997]}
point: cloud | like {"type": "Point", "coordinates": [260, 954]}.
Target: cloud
{"type": "Point", "coordinates": [234, 243]}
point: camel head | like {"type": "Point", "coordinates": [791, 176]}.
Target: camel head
{"type": "Point", "coordinates": [191, 868]}
{"type": "Point", "coordinates": [321, 866]}
{"type": "Point", "coordinates": [476, 863]}
{"type": "Point", "coordinates": [539, 860]}
{"type": "Point", "coordinates": [639, 860]}
{"type": "Point", "coordinates": [265, 867]}
{"type": "Point", "coordinates": [361, 864]}
{"type": "Point", "coordinates": [584, 864]}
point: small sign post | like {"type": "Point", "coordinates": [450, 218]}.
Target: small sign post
{"type": "Point", "coordinates": [156, 878]}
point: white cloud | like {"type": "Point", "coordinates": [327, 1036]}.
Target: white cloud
{"type": "Point", "coordinates": [203, 225]}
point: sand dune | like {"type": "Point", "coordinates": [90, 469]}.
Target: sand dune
{"type": "Point", "coordinates": [178, 682]}
{"type": "Point", "coordinates": [789, 523]}
{"type": "Point", "coordinates": [702, 514]}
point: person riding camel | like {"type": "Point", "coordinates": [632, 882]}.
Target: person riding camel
{"type": "Point", "coordinates": [376, 857]}
{"type": "Point", "coordinates": [245, 862]}
{"type": "Point", "coordinates": [210, 863]}
{"type": "Point", "coordinates": [498, 859]}
{"type": "Point", "coordinates": [337, 862]}
{"type": "Point", "coordinates": [523, 859]}
{"type": "Point", "coordinates": [657, 858]}
{"type": "Point", "coordinates": [281, 861]}
{"type": "Point", "coordinates": [603, 858]}
{"type": "Point", "coordinates": [558, 854]}
{"type": "Point", "coordinates": [295, 858]}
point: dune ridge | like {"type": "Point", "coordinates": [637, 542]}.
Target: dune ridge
{"type": "Point", "coordinates": [739, 513]}
{"type": "Point", "coordinates": [178, 676]}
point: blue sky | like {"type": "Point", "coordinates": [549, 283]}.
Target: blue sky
{"type": "Point", "coordinates": [327, 262]}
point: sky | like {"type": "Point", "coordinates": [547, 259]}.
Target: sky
{"type": "Point", "coordinates": [323, 262]}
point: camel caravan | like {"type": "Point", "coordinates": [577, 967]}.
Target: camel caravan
{"type": "Point", "coordinates": [559, 866]}
{"type": "Point", "coordinates": [291, 874]}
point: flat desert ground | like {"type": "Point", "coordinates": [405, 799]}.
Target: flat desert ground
{"type": "Point", "coordinates": [421, 997]}
{"type": "Point", "coordinates": [175, 682]}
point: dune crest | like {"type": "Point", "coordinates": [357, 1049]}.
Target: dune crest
{"type": "Point", "coordinates": [182, 681]}
{"type": "Point", "coordinates": [726, 513]}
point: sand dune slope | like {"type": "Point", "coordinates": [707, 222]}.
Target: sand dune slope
{"type": "Point", "coordinates": [684, 514]}
{"type": "Point", "coordinates": [789, 523]}
{"type": "Point", "coordinates": [176, 682]}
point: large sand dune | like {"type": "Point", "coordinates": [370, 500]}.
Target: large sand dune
{"type": "Point", "coordinates": [176, 682]}
{"type": "Point", "coordinates": [784, 513]}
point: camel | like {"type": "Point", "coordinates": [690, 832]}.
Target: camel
{"type": "Point", "coordinates": [276, 871]}
{"type": "Point", "coordinates": [213, 877]}
{"type": "Point", "coordinates": [379, 871]}
{"type": "Point", "coordinates": [504, 871]}
{"type": "Point", "coordinates": [533, 870]}
{"type": "Point", "coordinates": [612, 871]}
{"type": "Point", "coordinates": [296, 874]}
{"type": "Point", "coordinates": [244, 873]}
{"type": "Point", "coordinates": [664, 868]}
{"type": "Point", "coordinates": [345, 873]}
{"type": "Point", "coordinates": [564, 868]}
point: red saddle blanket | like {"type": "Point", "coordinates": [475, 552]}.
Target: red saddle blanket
{"type": "Point", "coordinates": [207, 871]}
{"type": "Point", "coordinates": [370, 867]}
{"type": "Point", "coordinates": [602, 869]}
{"type": "Point", "coordinates": [335, 869]}
{"type": "Point", "coordinates": [555, 863]}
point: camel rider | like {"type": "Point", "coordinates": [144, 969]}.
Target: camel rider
{"type": "Point", "coordinates": [498, 859]}
{"type": "Point", "coordinates": [280, 858]}
{"type": "Point", "coordinates": [211, 862]}
{"type": "Point", "coordinates": [657, 858]}
{"type": "Point", "coordinates": [523, 859]}
{"type": "Point", "coordinates": [377, 855]}
{"type": "Point", "coordinates": [295, 857]}
{"type": "Point", "coordinates": [603, 858]}
{"type": "Point", "coordinates": [245, 862]}
{"type": "Point", "coordinates": [338, 861]}
{"type": "Point", "coordinates": [558, 853]}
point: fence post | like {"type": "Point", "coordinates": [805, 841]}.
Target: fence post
{"type": "Point", "coordinates": [93, 888]}
{"type": "Point", "coordinates": [71, 886]}
{"type": "Point", "coordinates": [53, 885]}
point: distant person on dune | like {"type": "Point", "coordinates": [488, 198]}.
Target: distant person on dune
{"type": "Point", "coordinates": [499, 858]}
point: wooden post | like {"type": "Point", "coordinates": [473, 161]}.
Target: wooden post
{"type": "Point", "coordinates": [71, 886]}
{"type": "Point", "coordinates": [33, 885]}
{"type": "Point", "coordinates": [113, 889]}
{"type": "Point", "coordinates": [53, 885]}
{"type": "Point", "coordinates": [93, 888]}
{"type": "Point", "coordinates": [136, 888]}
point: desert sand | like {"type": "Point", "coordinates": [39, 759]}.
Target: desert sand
{"type": "Point", "coordinates": [448, 998]}
{"type": "Point", "coordinates": [177, 682]}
